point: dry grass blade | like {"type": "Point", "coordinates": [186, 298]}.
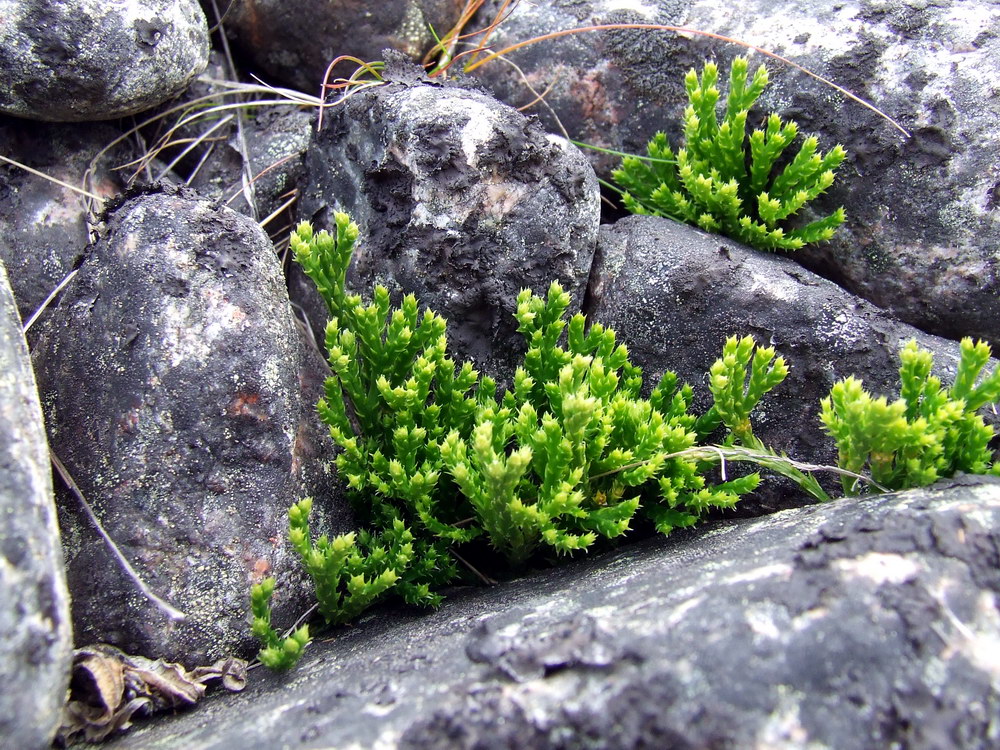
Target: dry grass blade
{"type": "Point", "coordinates": [48, 300]}
{"type": "Point", "coordinates": [61, 183]}
{"type": "Point", "coordinates": [168, 609]}
{"type": "Point", "coordinates": [277, 212]}
{"type": "Point", "coordinates": [193, 143]}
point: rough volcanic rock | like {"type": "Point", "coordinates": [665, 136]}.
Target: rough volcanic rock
{"type": "Point", "coordinates": [856, 624]}
{"type": "Point", "coordinates": [923, 210]}
{"type": "Point", "coordinates": [461, 200]}
{"type": "Point", "coordinates": [295, 42]}
{"type": "Point", "coordinates": [35, 638]}
{"type": "Point", "coordinates": [92, 60]}
{"type": "Point", "coordinates": [674, 294]}
{"type": "Point", "coordinates": [170, 375]}
{"type": "Point", "coordinates": [44, 227]}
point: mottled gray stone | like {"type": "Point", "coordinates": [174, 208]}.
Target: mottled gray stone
{"type": "Point", "coordinates": [674, 294]}
{"type": "Point", "coordinates": [44, 226]}
{"type": "Point", "coordinates": [923, 219]}
{"type": "Point", "coordinates": [612, 89]}
{"type": "Point", "coordinates": [857, 624]}
{"type": "Point", "coordinates": [265, 29]}
{"type": "Point", "coordinates": [461, 200]}
{"type": "Point", "coordinates": [35, 638]}
{"type": "Point", "coordinates": [173, 391]}
{"type": "Point", "coordinates": [92, 60]}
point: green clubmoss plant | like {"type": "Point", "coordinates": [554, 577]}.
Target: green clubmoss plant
{"type": "Point", "coordinates": [928, 433]}
{"type": "Point", "coordinates": [434, 458]}
{"type": "Point", "coordinates": [726, 183]}
{"type": "Point", "coordinates": [738, 380]}
{"type": "Point", "coordinates": [277, 652]}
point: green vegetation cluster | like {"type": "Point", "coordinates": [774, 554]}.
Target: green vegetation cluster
{"type": "Point", "coordinates": [729, 184]}
{"type": "Point", "coordinates": [435, 459]}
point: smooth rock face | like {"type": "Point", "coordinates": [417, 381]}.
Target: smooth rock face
{"type": "Point", "coordinates": [923, 218]}
{"type": "Point", "coordinates": [44, 227]}
{"type": "Point", "coordinates": [674, 294]}
{"type": "Point", "coordinates": [35, 639]}
{"type": "Point", "coordinates": [170, 375]}
{"type": "Point", "coordinates": [295, 42]}
{"type": "Point", "coordinates": [92, 60]}
{"type": "Point", "coordinates": [856, 624]}
{"type": "Point", "coordinates": [461, 200]}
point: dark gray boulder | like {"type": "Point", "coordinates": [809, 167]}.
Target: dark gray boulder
{"type": "Point", "coordinates": [923, 220]}
{"type": "Point", "coordinates": [461, 200]}
{"type": "Point", "coordinates": [44, 227]}
{"type": "Point", "coordinates": [173, 391]}
{"type": "Point", "coordinates": [856, 624]}
{"type": "Point", "coordinates": [674, 294]}
{"type": "Point", "coordinates": [35, 639]}
{"type": "Point", "coordinates": [91, 60]}
{"type": "Point", "coordinates": [295, 43]}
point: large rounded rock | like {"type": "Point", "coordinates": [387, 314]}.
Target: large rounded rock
{"type": "Point", "coordinates": [674, 294]}
{"type": "Point", "coordinates": [35, 639]}
{"type": "Point", "coordinates": [171, 379]}
{"type": "Point", "coordinates": [45, 226]}
{"type": "Point", "coordinates": [461, 200]}
{"type": "Point", "coordinates": [295, 42]}
{"type": "Point", "coordinates": [92, 60]}
{"type": "Point", "coordinates": [855, 624]}
{"type": "Point", "coordinates": [923, 219]}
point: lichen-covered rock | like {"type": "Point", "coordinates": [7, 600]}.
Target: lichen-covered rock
{"type": "Point", "coordinates": [92, 60]}
{"type": "Point", "coordinates": [170, 375]}
{"type": "Point", "coordinates": [44, 226]}
{"type": "Point", "coordinates": [35, 639]}
{"type": "Point", "coordinates": [461, 200]}
{"type": "Point", "coordinates": [295, 42]}
{"type": "Point", "coordinates": [855, 624]}
{"type": "Point", "coordinates": [674, 294]}
{"type": "Point", "coordinates": [923, 220]}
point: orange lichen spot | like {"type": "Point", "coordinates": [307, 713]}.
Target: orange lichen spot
{"type": "Point", "coordinates": [247, 405]}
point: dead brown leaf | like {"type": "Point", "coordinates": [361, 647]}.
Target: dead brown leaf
{"type": "Point", "coordinates": [109, 687]}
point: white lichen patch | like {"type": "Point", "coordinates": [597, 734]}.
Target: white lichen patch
{"type": "Point", "coordinates": [762, 620]}
{"type": "Point", "coordinates": [782, 570]}
{"type": "Point", "coordinates": [979, 640]}
{"type": "Point", "coordinates": [783, 728]}
{"type": "Point", "coordinates": [880, 567]}
{"type": "Point", "coordinates": [480, 119]}
{"type": "Point", "coordinates": [187, 334]}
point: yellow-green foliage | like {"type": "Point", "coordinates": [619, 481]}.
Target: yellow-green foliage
{"type": "Point", "coordinates": [433, 457]}
{"type": "Point", "coordinates": [725, 183]}
{"type": "Point", "coordinates": [927, 433]}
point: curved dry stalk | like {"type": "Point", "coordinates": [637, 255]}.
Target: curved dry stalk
{"type": "Point", "coordinates": [722, 452]}
{"type": "Point", "coordinates": [61, 183]}
{"type": "Point", "coordinates": [168, 609]}
{"type": "Point", "coordinates": [193, 143]}
{"type": "Point", "coordinates": [539, 97]}
{"type": "Point", "coordinates": [695, 32]}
